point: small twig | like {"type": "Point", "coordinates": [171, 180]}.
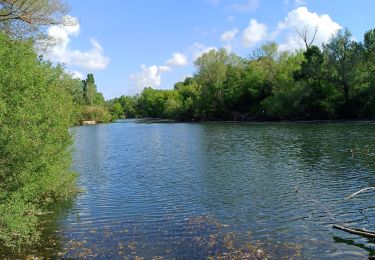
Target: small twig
{"type": "Point", "coordinates": [359, 192]}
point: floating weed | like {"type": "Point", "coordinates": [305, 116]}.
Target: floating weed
{"type": "Point", "coordinates": [204, 237]}
{"type": "Point", "coordinates": [132, 246]}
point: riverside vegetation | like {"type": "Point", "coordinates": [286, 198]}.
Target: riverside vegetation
{"type": "Point", "coordinates": [40, 101]}
{"type": "Point", "coordinates": [336, 81]}
{"type": "Point", "coordinates": [38, 104]}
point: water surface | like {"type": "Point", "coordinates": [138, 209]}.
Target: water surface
{"type": "Point", "coordinates": [168, 189]}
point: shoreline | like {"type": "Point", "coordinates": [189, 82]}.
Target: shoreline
{"type": "Point", "coordinates": [330, 121]}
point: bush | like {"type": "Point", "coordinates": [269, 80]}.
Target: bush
{"type": "Point", "coordinates": [96, 113]}
{"type": "Point", "coordinates": [35, 114]}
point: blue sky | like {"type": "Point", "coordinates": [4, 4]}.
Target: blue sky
{"type": "Point", "coordinates": [131, 44]}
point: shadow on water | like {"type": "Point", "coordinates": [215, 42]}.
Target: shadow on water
{"type": "Point", "coordinates": [369, 247]}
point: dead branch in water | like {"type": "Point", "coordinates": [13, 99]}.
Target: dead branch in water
{"type": "Point", "coordinates": [359, 192]}
{"type": "Point", "coordinates": [356, 231]}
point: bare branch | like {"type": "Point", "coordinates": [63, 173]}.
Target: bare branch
{"type": "Point", "coordinates": [355, 231]}
{"type": "Point", "coordinates": [29, 18]}
{"type": "Point", "coordinates": [359, 192]}
{"type": "Point", "coordinates": [315, 32]}
{"type": "Point", "coordinates": [304, 34]}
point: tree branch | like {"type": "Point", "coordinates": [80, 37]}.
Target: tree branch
{"type": "Point", "coordinates": [359, 192]}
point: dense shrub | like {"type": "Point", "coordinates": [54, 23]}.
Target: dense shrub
{"type": "Point", "coordinates": [36, 111]}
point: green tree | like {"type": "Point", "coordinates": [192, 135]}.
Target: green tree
{"type": "Point", "coordinates": [211, 73]}
{"type": "Point", "coordinates": [89, 89]}
{"type": "Point", "coordinates": [343, 56]}
{"type": "Point", "coordinates": [368, 70]}
{"type": "Point", "coordinates": [314, 93]}
{"type": "Point", "coordinates": [189, 92]}
{"type": "Point", "coordinates": [116, 110]}
{"type": "Point", "coordinates": [129, 105]}
{"type": "Point", "coordinates": [151, 103]}
{"type": "Point", "coordinates": [35, 113]}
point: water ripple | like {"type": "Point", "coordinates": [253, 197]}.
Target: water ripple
{"type": "Point", "coordinates": [286, 182]}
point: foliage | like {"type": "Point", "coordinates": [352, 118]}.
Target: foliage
{"type": "Point", "coordinates": [335, 81]}
{"type": "Point", "coordinates": [343, 57]}
{"type": "Point", "coordinates": [95, 113]}
{"type": "Point", "coordinates": [91, 103]}
{"type": "Point", "coordinates": [28, 18]}
{"type": "Point", "coordinates": [36, 111]}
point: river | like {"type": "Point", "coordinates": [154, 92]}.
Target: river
{"type": "Point", "coordinates": [194, 190]}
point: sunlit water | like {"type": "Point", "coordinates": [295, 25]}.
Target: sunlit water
{"type": "Point", "coordinates": [146, 183]}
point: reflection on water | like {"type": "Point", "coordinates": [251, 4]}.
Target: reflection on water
{"type": "Point", "coordinates": [286, 183]}
{"type": "Point", "coordinates": [369, 246]}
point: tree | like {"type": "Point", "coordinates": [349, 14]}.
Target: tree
{"type": "Point", "coordinates": [211, 72]}
{"type": "Point", "coordinates": [234, 89]}
{"type": "Point", "coordinates": [189, 92]}
{"type": "Point", "coordinates": [343, 57]}
{"type": "Point", "coordinates": [89, 89]}
{"type": "Point", "coordinates": [304, 33]}
{"type": "Point", "coordinates": [129, 105]}
{"type": "Point", "coordinates": [28, 18]}
{"type": "Point", "coordinates": [314, 93]}
{"type": "Point", "coordinates": [368, 71]}
{"type": "Point", "coordinates": [116, 110]}
{"type": "Point", "coordinates": [36, 111]}
{"type": "Point", "coordinates": [151, 103]}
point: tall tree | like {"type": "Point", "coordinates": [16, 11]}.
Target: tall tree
{"type": "Point", "coordinates": [343, 58]}
{"type": "Point", "coordinates": [312, 100]}
{"type": "Point", "coordinates": [369, 73]}
{"type": "Point", "coordinates": [211, 73]}
{"type": "Point", "coordinates": [89, 89]}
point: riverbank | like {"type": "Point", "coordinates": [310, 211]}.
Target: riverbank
{"type": "Point", "coordinates": [331, 121]}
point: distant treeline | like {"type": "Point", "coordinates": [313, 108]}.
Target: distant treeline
{"type": "Point", "coordinates": [332, 82]}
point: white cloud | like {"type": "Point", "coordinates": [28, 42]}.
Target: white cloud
{"type": "Point", "coordinates": [301, 19]}
{"type": "Point", "coordinates": [151, 76]}
{"type": "Point", "coordinates": [198, 49]}
{"type": "Point", "coordinates": [254, 33]}
{"type": "Point", "coordinates": [245, 6]}
{"type": "Point", "coordinates": [229, 35]}
{"type": "Point", "coordinates": [164, 68]}
{"type": "Point", "coordinates": [178, 60]}
{"type": "Point", "coordinates": [148, 76]}
{"type": "Point", "coordinates": [61, 52]}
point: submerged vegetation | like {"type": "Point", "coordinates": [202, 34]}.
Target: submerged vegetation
{"type": "Point", "coordinates": [333, 82]}
{"type": "Point", "coordinates": [206, 238]}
